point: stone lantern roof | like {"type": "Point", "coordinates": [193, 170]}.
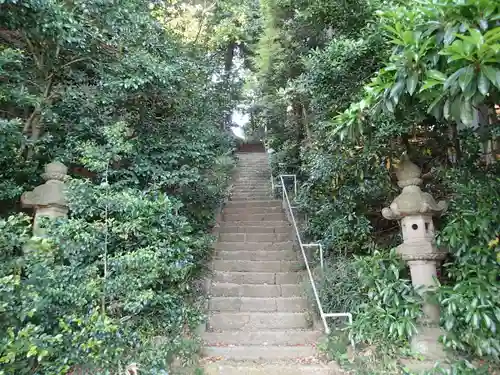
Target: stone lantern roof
{"type": "Point", "coordinates": [412, 200]}
{"type": "Point", "coordinates": [51, 193]}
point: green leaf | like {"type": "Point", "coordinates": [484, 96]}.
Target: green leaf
{"type": "Point", "coordinates": [477, 37]}
{"type": "Point", "coordinates": [492, 74]}
{"type": "Point", "coordinates": [483, 83]}
{"type": "Point", "coordinates": [432, 108]}
{"type": "Point", "coordinates": [436, 75]}
{"type": "Point", "coordinates": [466, 77]}
{"type": "Point", "coordinates": [396, 90]}
{"type": "Point", "coordinates": [471, 89]}
{"type": "Point", "coordinates": [411, 83]}
{"type": "Point", "coordinates": [389, 105]}
{"type": "Point", "coordinates": [451, 79]}
{"type": "Point", "coordinates": [456, 107]}
{"type": "Point", "coordinates": [429, 84]}
{"type": "Point", "coordinates": [466, 113]}
{"type": "Point", "coordinates": [492, 35]}
{"type": "Point", "coordinates": [446, 109]}
{"type": "Point", "coordinates": [449, 35]}
{"type": "Point", "coordinates": [436, 111]}
{"type": "Point", "coordinates": [408, 37]}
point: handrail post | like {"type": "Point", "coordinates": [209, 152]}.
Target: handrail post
{"type": "Point", "coordinates": [321, 260]}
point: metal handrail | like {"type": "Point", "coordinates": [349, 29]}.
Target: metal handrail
{"type": "Point", "coordinates": [286, 199]}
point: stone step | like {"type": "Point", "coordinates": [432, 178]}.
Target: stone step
{"type": "Point", "coordinates": [244, 246]}
{"type": "Point", "coordinates": [254, 217]}
{"type": "Point", "coordinates": [262, 352]}
{"type": "Point", "coordinates": [252, 368]}
{"type": "Point", "coordinates": [279, 227]}
{"type": "Point", "coordinates": [255, 321]}
{"type": "Point", "coordinates": [256, 255]}
{"type": "Point", "coordinates": [256, 265]}
{"type": "Point", "coordinates": [273, 337]}
{"type": "Point", "coordinates": [253, 165]}
{"type": "Point", "coordinates": [250, 197]}
{"type": "Point", "coordinates": [247, 199]}
{"type": "Point", "coordinates": [251, 184]}
{"type": "Point", "coordinates": [254, 178]}
{"type": "Point", "coordinates": [270, 278]}
{"type": "Point", "coordinates": [266, 194]}
{"type": "Point", "coordinates": [252, 210]}
{"type": "Point", "coordinates": [247, 188]}
{"type": "Point", "coordinates": [259, 168]}
{"type": "Point", "coordinates": [250, 161]}
{"type": "Point", "coordinates": [253, 237]}
{"type": "Point", "coordinates": [264, 203]}
{"type": "Point", "coordinates": [253, 157]}
{"type": "Point", "coordinates": [259, 165]}
{"type": "Point", "coordinates": [255, 290]}
{"type": "Point", "coordinates": [248, 304]}
{"type": "Point", "coordinates": [250, 188]}
{"type": "Point", "coordinates": [279, 224]}
{"type": "Point", "coordinates": [252, 181]}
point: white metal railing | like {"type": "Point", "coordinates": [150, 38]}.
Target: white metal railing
{"type": "Point", "coordinates": [303, 246]}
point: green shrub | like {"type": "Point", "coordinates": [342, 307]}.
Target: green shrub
{"type": "Point", "coordinates": [102, 284]}
{"type": "Point", "coordinates": [98, 290]}
{"type": "Point", "coordinates": [392, 306]}
{"type": "Point", "coordinates": [470, 302]}
{"type": "Point", "coordinates": [338, 286]}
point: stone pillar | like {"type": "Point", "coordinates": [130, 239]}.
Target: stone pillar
{"type": "Point", "coordinates": [48, 200]}
{"type": "Point", "coordinates": [415, 209]}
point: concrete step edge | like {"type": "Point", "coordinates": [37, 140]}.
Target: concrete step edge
{"type": "Point", "coordinates": [297, 367]}
{"type": "Point", "coordinates": [268, 337]}
{"type": "Point", "coordinates": [256, 255]}
{"type": "Point", "coordinates": [258, 304]}
{"type": "Point", "coordinates": [257, 265]}
{"type": "Point", "coordinates": [257, 278]}
{"type": "Point", "coordinates": [259, 352]}
{"type": "Point", "coordinates": [255, 290]}
{"type": "Point", "coordinates": [261, 245]}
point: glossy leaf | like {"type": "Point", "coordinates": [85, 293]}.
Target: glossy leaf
{"type": "Point", "coordinates": [466, 77]}
{"type": "Point", "coordinates": [493, 75]}
{"type": "Point", "coordinates": [453, 78]}
{"type": "Point", "coordinates": [411, 83]}
{"type": "Point", "coordinates": [483, 83]}
{"type": "Point", "coordinates": [436, 75]}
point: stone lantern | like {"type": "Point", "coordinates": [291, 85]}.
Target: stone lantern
{"type": "Point", "coordinates": [415, 209]}
{"type": "Point", "coordinates": [48, 200]}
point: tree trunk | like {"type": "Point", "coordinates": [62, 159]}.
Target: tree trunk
{"type": "Point", "coordinates": [485, 133]}
{"type": "Point", "coordinates": [228, 67]}
{"type": "Point", "coordinates": [298, 122]}
{"type": "Point", "coordinates": [456, 142]}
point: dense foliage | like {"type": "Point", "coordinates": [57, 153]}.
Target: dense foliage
{"type": "Point", "coordinates": [345, 88]}
{"type": "Point", "coordinates": [136, 109]}
{"type": "Point", "coordinates": [136, 97]}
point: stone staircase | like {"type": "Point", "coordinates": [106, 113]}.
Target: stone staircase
{"type": "Point", "coordinates": [258, 319]}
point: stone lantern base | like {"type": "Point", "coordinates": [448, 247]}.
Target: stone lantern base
{"type": "Point", "coordinates": [426, 343]}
